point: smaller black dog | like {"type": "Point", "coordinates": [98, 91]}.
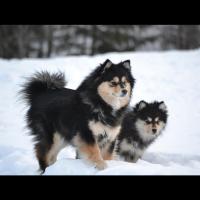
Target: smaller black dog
{"type": "Point", "coordinates": [140, 127]}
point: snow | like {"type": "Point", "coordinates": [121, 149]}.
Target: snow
{"type": "Point", "coordinates": [171, 76]}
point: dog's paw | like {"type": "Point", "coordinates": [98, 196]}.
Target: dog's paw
{"type": "Point", "coordinates": [101, 165]}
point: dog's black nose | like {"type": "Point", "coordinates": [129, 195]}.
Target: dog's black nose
{"type": "Point", "coordinates": [124, 92]}
{"type": "Point", "coordinates": [154, 130]}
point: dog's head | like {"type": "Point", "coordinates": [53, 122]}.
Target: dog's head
{"type": "Point", "coordinates": [115, 83]}
{"type": "Point", "coordinates": [151, 118]}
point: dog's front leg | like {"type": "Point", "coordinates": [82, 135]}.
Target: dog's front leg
{"type": "Point", "coordinates": [91, 152]}
{"type": "Point", "coordinates": [108, 152]}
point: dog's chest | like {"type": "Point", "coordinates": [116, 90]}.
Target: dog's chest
{"type": "Point", "coordinates": [102, 132]}
{"type": "Point", "coordinates": [131, 147]}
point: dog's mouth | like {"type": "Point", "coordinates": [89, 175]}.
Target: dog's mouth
{"type": "Point", "coordinates": [121, 95]}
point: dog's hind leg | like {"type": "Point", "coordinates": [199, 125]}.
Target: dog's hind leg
{"type": "Point", "coordinates": [47, 152]}
{"type": "Point", "coordinates": [58, 144]}
{"type": "Point", "coordinates": [41, 151]}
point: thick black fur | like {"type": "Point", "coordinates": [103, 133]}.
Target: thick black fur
{"type": "Point", "coordinates": [53, 108]}
{"type": "Point", "coordinates": [130, 133]}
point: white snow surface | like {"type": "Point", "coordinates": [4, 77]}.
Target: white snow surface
{"type": "Point", "coordinates": [172, 76]}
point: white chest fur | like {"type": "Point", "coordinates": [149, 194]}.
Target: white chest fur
{"type": "Point", "coordinates": [98, 128]}
{"type": "Point", "coordinates": [132, 149]}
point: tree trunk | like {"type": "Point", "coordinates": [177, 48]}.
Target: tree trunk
{"type": "Point", "coordinates": [94, 38]}
{"type": "Point", "coordinates": [49, 40]}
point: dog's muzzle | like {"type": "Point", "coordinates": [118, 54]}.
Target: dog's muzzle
{"type": "Point", "coordinates": [123, 93]}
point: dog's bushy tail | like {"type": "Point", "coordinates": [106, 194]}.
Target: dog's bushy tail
{"type": "Point", "coordinates": [40, 82]}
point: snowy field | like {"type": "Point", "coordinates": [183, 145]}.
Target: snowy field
{"type": "Point", "coordinates": [170, 76]}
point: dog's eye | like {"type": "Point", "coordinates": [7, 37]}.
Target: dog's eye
{"type": "Point", "coordinates": [113, 84]}
{"type": "Point", "coordinates": [147, 122]}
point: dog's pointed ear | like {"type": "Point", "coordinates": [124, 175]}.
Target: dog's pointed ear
{"type": "Point", "coordinates": [142, 104]}
{"type": "Point", "coordinates": [107, 64]}
{"type": "Point", "coordinates": [162, 106]}
{"type": "Point", "coordinates": [127, 64]}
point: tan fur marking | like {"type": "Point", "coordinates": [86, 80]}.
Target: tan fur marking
{"type": "Point", "coordinates": [90, 152]}
{"type": "Point", "coordinates": [156, 119]}
{"type": "Point", "coordinates": [149, 119]}
{"type": "Point", "coordinates": [116, 79]}
{"type": "Point", "coordinates": [154, 126]}
{"type": "Point", "coordinates": [58, 144]}
{"type": "Point", "coordinates": [112, 132]}
{"type": "Point", "coordinates": [145, 130]}
{"type": "Point", "coordinates": [111, 95]}
{"type": "Point", "coordinates": [99, 128]}
{"type": "Point", "coordinates": [124, 79]}
{"type": "Point", "coordinates": [108, 156]}
{"type": "Point", "coordinates": [149, 127]}
{"type": "Point", "coordinates": [105, 92]}
{"type": "Point", "coordinates": [125, 101]}
{"type": "Point", "coordinates": [117, 89]}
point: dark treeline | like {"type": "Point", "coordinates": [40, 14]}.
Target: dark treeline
{"type": "Point", "coordinates": [19, 41]}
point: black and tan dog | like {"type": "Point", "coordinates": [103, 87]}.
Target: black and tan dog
{"type": "Point", "coordinates": [88, 118]}
{"type": "Point", "coordinates": [141, 126]}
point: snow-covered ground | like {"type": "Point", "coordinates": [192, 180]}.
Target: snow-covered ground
{"type": "Point", "coordinates": [170, 76]}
